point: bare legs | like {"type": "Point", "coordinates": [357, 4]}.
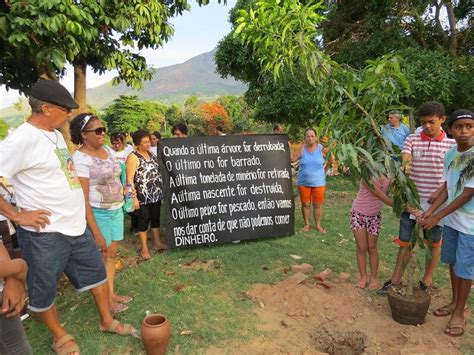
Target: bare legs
{"type": "Point", "coordinates": [159, 247]}
{"type": "Point", "coordinates": [305, 209]}
{"type": "Point", "coordinates": [101, 298]}
{"type": "Point", "coordinates": [317, 215]}
{"type": "Point", "coordinates": [143, 240]}
{"type": "Point", "coordinates": [367, 243]}
{"type": "Point", "coordinates": [402, 260]}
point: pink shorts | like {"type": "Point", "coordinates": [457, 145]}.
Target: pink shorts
{"type": "Point", "coordinates": [373, 224]}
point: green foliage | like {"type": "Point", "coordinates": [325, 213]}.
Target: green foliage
{"type": "Point", "coordinates": [128, 113]}
{"type": "Point", "coordinates": [4, 127]}
{"type": "Point", "coordinates": [240, 113]}
{"type": "Point", "coordinates": [352, 103]}
{"type": "Point", "coordinates": [39, 37]}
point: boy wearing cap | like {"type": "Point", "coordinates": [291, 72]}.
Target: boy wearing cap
{"type": "Point", "coordinates": [458, 246]}
{"type": "Point", "coordinates": [52, 225]}
{"type": "Point", "coordinates": [423, 153]}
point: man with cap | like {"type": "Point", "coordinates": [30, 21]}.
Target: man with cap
{"type": "Point", "coordinates": [52, 225]}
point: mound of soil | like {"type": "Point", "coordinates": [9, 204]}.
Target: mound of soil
{"type": "Point", "coordinates": [341, 319]}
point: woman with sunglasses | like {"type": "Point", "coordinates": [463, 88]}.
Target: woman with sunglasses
{"type": "Point", "coordinates": [99, 174]}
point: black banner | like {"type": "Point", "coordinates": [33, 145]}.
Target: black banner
{"type": "Point", "coordinates": [226, 188]}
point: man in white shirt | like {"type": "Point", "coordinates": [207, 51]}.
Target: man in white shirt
{"type": "Point", "coordinates": [52, 225]}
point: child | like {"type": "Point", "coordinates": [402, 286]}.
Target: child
{"type": "Point", "coordinates": [365, 224]}
{"type": "Point", "coordinates": [458, 246]}
{"type": "Point", "coordinates": [12, 336]}
{"type": "Point", "coordinates": [424, 152]}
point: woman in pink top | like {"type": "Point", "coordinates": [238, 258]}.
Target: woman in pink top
{"type": "Point", "coordinates": [366, 224]}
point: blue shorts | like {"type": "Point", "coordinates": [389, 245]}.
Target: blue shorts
{"type": "Point", "coordinates": [48, 255]}
{"type": "Point", "coordinates": [458, 250]}
{"type": "Point", "coordinates": [406, 228]}
{"type": "Point", "coordinates": [110, 223]}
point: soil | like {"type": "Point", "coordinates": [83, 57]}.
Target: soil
{"type": "Point", "coordinates": [309, 318]}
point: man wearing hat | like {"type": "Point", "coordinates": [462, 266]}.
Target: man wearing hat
{"type": "Point", "coordinates": [52, 225]}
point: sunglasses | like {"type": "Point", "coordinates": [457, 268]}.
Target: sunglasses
{"type": "Point", "coordinates": [98, 131]}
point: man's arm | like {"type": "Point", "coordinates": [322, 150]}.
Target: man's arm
{"type": "Point", "coordinates": [37, 219]}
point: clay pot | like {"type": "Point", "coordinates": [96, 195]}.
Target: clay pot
{"type": "Point", "coordinates": [409, 309]}
{"type": "Point", "coordinates": [155, 334]}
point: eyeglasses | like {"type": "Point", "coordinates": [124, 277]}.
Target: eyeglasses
{"type": "Point", "coordinates": [98, 130]}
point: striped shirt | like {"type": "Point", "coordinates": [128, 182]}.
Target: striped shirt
{"type": "Point", "coordinates": [427, 158]}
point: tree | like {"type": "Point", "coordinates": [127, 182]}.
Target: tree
{"type": "Point", "coordinates": [357, 31]}
{"type": "Point", "coordinates": [128, 113]}
{"type": "Point", "coordinates": [215, 115]}
{"type": "Point", "coordinates": [39, 37]}
{"type": "Point", "coordinates": [353, 33]}
{"type": "Point", "coordinates": [352, 102]}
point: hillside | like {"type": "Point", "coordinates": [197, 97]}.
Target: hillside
{"type": "Point", "coordinates": [171, 84]}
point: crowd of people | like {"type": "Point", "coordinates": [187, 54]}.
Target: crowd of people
{"type": "Point", "coordinates": [71, 215]}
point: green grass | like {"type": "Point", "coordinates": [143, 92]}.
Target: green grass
{"type": "Point", "coordinates": [212, 303]}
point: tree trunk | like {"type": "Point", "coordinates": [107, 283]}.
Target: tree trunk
{"type": "Point", "coordinates": [80, 71]}
{"type": "Point", "coordinates": [453, 41]}
{"type": "Point", "coordinates": [412, 262]}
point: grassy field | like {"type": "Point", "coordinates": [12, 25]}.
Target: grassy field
{"type": "Point", "coordinates": [202, 290]}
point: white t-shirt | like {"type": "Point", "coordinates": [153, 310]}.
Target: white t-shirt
{"type": "Point", "coordinates": [455, 165]}
{"type": "Point", "coordinates": [44, 177]}
{"type": "Point", "coordinates": [105, 187]}
{"type": "Point", "coordinates": [123, 154]}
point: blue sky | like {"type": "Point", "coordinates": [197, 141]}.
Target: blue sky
{"type": "Point", "coordinates": [196, 31]}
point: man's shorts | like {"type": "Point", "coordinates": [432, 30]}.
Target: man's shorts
{"type": "Point", "coordinates": [110, 223]}
{"type": "Point", "coordinates": [373, 224]}
{"type": "Point", "coordinates": [458, 250]}
{"type": "Point", "coordinates": [48, 255]}
{"type": "Point", "coordinates": [310, 194]}
{"type": "Point", "coordinates": [406, 228]}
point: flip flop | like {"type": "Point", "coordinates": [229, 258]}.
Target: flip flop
{"type": "Point", "coordinates": [127, 329]}
{"type": "Point", "coordinates": [57, 345]}
{"type": "Point", "coordinates": [449, 329]}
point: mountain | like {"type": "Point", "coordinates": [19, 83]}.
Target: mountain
{"type": "Point", "coordinates": [171, 84]}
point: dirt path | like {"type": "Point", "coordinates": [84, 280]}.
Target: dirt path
{"type": "Point", "coordinates": [308, 318]}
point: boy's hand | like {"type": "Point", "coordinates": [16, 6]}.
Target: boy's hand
{"type": "Point", "coordinates": [101, 244]}
{"type": "Point", "coordinates": [14, 297]}
{"type": "Point", "coordinates": [430, 222]}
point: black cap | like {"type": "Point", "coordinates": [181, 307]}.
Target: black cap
{"type": "Point", "coordinates": [458, 115]}
{"type": "Point", "coordinates": [52, 92]}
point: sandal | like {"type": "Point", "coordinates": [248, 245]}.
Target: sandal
{"type": "Point", "coordinates": [127, 329]}
{"type": "Point", "coordinates": [460, 328]}
{"type": "Point", "coordinates": [123, 299]}
{"type": "Point", "coordinates": [118, 308]}
{"type": "Point", "coordinates": [57, 345]}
